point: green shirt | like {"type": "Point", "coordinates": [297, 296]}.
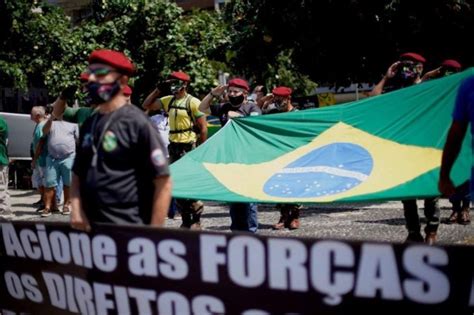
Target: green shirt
{"type": "Point", "coordinates": [3, 142]}
{"type": "Point", "coordinates": [37, 135]}
{"type": "Point", "coordinates": [77, 115]}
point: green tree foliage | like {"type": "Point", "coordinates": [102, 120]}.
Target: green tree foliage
{"type": "Point", "coordinates": [44, 49]}
{"type": "Point", "coordinates": [344, 40]}
{"type": "Point", "coordinates": [295, 43]}
{"type": "Point", "coordinates": [31, 41]}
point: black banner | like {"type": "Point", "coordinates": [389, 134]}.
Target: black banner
{"type": "Point", "coordinates": [52, 269]}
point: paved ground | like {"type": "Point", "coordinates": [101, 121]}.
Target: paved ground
{"type": "Point", "coordinates": [368, 221]}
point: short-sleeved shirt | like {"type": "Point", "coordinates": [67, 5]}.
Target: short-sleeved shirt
{"type": "Point", "coordinates": [77, 115]}
{"type": "Point", "coordinates": [37, 135]}
{"type": "Point", "coordinates": [130, 155]}
{"type": "Point", "coordinates": [62, 139]}
{"type": "Point", "coordinates": [222, 110]}
{"type": "Point", "coordinates": [3, 141]}
{"type": "Point", "coordinates": [179, 118]}
{"type": "Point", "coordinates": [464, 112]}
{"type": "Point", "coordinates": [464, 107]}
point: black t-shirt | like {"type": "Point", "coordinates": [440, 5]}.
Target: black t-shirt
{"type": "Point", "coordinates": [130, 155]}
{"type": "Point", "coordinates": [222, 110]}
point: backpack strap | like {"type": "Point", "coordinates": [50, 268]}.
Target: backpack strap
{"type": "Point", "coordinates": [188, 111]}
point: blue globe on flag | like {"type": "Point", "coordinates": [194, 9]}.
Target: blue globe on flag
{"type": "Point", "coordinates": [328, 170]}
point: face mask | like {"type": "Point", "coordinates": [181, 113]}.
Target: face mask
{"type": "Point", "coordinates": [100, 93]}
{"type": "Point", "coordinates": [280, 104]}
{"type": "Point", "coordinates": [236, 100]}
{"type": "Point", "coordinates": [408, 71]}
{"type": "Point", "coordinates": [175, 88]}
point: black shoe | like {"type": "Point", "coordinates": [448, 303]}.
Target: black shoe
{"type": "Point", "coordinates": [39, 203]}
{"type": "Point", "coordinates": [414, 237]}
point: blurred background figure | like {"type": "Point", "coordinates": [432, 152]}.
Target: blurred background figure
{"type": "Point", "coordinates": [447, 67]}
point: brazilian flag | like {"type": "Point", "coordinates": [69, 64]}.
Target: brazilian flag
{"type": "Point", "coordinates": [386, 147]}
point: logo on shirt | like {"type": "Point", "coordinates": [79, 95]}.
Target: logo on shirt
{"type": "Point", "coordinates": [158, 158]}
{"type": "Point", "coordinates": [110, 141]}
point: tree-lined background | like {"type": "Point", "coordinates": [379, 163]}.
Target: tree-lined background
{"type": "Point", "coordinates": [300, 43]}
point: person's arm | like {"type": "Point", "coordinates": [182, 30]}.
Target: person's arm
{"type": "Point", "coordinates": [450, 153]}
{"type": "Point", "coordinates": [431, 74]}
{"type": "Point", "coordinates": [79, 220]}
{"type": "Point", "coordinates": [161, 200]}
{"type": "Point", "coordinates": [204, 106]}
{"type": "Point", "coordinates": [48, 124]}
{"type": "Point", "coordinates": [61, 102]}
{"type": "Point", "coordinates": [152, 101]}
{"type": "Point", "coordinates": [201, 122]}
{"type": "Point", "coordinates": [265, 101]}
{"type": "Point", "coordinates": [378, 89]}
{"type": "Point", "coordinates": [39, 149]}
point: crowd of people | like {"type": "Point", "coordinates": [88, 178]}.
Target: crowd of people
{"type": "Point", "coordinates": [115, 168]}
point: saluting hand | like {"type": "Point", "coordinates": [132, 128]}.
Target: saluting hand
{"type": "Point", "coordinates": [218, 90]}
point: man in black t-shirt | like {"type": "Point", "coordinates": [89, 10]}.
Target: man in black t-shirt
{"type": "Point", "coordinates": [237, 106]}
{"type": "Point", "coordinates": [243, 215]}
{"type": "Point", "coordinates": [120, 174]}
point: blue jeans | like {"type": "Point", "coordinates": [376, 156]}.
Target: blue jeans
{"type": "Point", "coordinates": [243, 217]}
{"type": "Point", "coordinates": [59, 191]}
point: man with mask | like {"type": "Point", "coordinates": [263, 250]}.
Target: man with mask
{"type": "Point", "coordinates": [120, 173]}
{"type": "Point", "coordinates": [403, 73]}
{"type": "Point", "coordinates": [188, 126]}
{"type": "Point", "coordinates": [279, 101]}
{"type": "Point", "coordinates": [243, 215]}
{"type": "Point", "coordinates": [447, 67]}
{"type": "Point", "coordinates": [238, 105]}
{"type": "Point", "coordinates": [460, 199]}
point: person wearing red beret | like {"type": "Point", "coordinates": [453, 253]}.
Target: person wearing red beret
{"type": "Point", "coordinates": [187, 128]}
{"type": "Point", "coordinates": [120, 174]}
{"type": "Point", "coordinates": [403, 73]}
{"type": "Point", "coordinates": [460, 199]}
{"type": "Point", "coordinates": [127, 92]}
{"type": "Point", "coordinates": [238, 105]}
{"type": "Point", "coordinates": [279, 101]}
{"type": "Point", "coordinates": [243, 215]}
{"type": "Point", "coordinates": [447, 67]}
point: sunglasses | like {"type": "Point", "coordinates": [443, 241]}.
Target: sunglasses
{"type": "Point", "coordinates": [99, 71]}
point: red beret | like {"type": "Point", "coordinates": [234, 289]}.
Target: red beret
{"type": "Point", "coordinates": [112, 58]}
{"type": "Point", "coordinates": [180, 76]}
{"type": "Point", "coordinates": [451, 63]}
{"type": "Point", "coordinates": [282, 91]}
{"type": "Point", "coordinates": [240, 83]}
{"type": "Point", "coordinates": [413, 56]}
{"type": "Point", "coordinates": [84, 77]}
{"type": "Point", "coordinates": [127, 91]}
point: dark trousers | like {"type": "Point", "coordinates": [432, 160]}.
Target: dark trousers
{"type": "Point", "coordinates": [410, 210]}
{"type": "Point", "coordinates": [243, 217]}
{"type": "Point", "coordinates": [190, 209]}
